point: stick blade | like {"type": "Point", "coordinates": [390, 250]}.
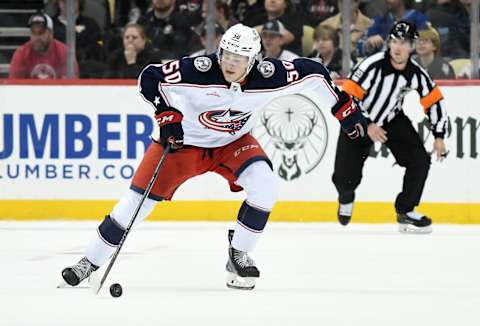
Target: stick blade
{"type": "Point", "coordinates": [94, 282]}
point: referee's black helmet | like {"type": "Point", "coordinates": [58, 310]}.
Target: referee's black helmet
{"type": "Point", "coordinates": [403, 30]}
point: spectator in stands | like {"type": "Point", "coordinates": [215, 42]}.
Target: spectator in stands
{"type": "Point", "coordinates": [272, 41]}
{"type": "Point", "coordinates": [358, 28]}
{"type": "Point", "coordinates": [222, 14]}
{"type": "Point", "coordinates": [372, 8]}
{"type": "Point", "coordinates": [192, 9]}
{"type": "Point", "coordinates": [327, 50]}
{"type": "Point", "coordinates": [378, 32]}
{"type": "Point", "coordinates": [247, 12]}
{"type": "Point", "coordinates": [168, 28]}
{"type": "Point", "coordinates": [285, 12]}
{"type": "Point", "coordinates": [88, 41]}
{"type": "Point", "coordinates": [428, 55]}
{"type": "Point", "coordinates": [316, 11]}
{"type": "Point", "coordinates": [42, 57]}
{"type": "Point", "coordinates": [203, 38]}
{"type": "Point", "coordinates": [136, 53]}
{"type": "Point", "coordinates": [123, 12]}
{"type": "Point", "coordinates": [452, 21]}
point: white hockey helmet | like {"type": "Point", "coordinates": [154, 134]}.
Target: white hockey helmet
{"type": "Point", "coordinates": [242, 40]}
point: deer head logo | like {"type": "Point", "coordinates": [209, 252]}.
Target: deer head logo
{"type": "Point", "coordinates": [297, 131]}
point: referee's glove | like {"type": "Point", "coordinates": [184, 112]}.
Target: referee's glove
{"type": "Point", "coordinates": [171, 131]}
{"type": "Point", "coordinates": [352, 121]}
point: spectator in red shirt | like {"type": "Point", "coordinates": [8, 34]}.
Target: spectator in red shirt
{"type": "Point", "coordinates": [42, 57]}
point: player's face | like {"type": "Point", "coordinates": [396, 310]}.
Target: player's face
{"type": "Point", "coordinates": [234, 66]}
{"type": "Point", "coordinates": [400, 50]}
{"type": "Point", "coordinates": [40, 37]}
{"type": "Point", "coordinates": [132, 37]}
{"type": "Point", "coordinates": [424, 46]}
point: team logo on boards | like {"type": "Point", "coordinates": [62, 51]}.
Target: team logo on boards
{"type": "Point", "coordinates": [293, 132]}
{"type": "Point", "coordinates": [229, 120]}
{"type": "Point", "coordinates": [202, 64]}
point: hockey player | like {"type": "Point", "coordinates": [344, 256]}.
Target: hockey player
{"type": "Point", "coordinates": [205, 108]}
{"type": "Point", "coordinates": [380, 84]}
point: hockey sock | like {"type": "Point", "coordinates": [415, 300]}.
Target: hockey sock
{"type": "Point", "coordinates": [250, 223]}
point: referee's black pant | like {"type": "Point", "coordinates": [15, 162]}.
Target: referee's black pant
{"type": "Point", "coordinates": [408, 150]}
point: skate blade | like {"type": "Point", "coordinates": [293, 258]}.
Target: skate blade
{"type": "Point", "coordinates": [411, 229]}
{"type": "Point", "coordinates": [240, 283]}
{"type": "Point", "coordinates": [62, 285]}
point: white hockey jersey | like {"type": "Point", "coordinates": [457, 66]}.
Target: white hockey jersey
{"type": "Point", "coordinates": [215, 112]}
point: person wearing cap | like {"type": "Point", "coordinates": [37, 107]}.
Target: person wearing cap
{"type": "Point", "coordinates": [42, 57]}
{"type": "Point", "coordinates": [428, 55]}
{"type": "Point", "coordinates": [379, 84]}
{"type": "Point", "coordinates": [273, 40]}
{"type": "Point", "coordinates": [203, 39]}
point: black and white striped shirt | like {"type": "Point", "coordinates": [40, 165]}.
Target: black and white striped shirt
{"type": "Point", "coordinates": [381, 89]}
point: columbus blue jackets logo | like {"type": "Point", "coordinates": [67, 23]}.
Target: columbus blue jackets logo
{"type": "Point", "coordinates": [266, 68]}
{"type": "Point", "coordinates": [229, 120]}
{"type": "Point", "coordinates": [203, 64]}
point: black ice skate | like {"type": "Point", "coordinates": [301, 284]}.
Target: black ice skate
{"type": "Point", "coordinates": [344, 213]}
{"type": "Point", "coordinates": [242, 272]}
{"type": "Point", "coordinates": [413, 222]}
{"type": "Point", "coordinates": [75, 274]}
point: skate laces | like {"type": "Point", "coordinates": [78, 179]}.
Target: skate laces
{"type": "Point", "coordinates": [83, 268]}
{"type": "Point", "coordinates": [414, 215]}
{"type": "Point", "coordinates": [242, 258]}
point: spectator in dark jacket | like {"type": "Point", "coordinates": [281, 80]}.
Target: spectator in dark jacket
{"type": "Point", "coordinates": [167, 28]}
{"type": "Point", "coordinates": [316, 11]}
{"type": "Point", "coordinates": [285, 12]}
{"type": "Point", "coordinates": [88, 39]}
{"type": "Point", "coordinates": [452, 21]}
{"type": "Point", "coordinates": [136, 53]}
{"type": "Point", "coordinates": [377, 33]}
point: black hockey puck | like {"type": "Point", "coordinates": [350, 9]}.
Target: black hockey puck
{"type": "Point", "coordinates": [116, 290]}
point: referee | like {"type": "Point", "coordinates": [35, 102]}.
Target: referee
{"type": "Point", "coordinates": [379, 85]}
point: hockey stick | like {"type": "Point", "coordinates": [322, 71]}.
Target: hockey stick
{"type": "Point", "coordinates": [94, 283]}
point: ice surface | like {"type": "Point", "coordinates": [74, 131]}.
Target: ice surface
{"type": "Point", "coordinates": [311, 274]}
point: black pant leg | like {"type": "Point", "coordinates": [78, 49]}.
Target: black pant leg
{"type": "Point", "coordinates": [349, 160]}
{"type": "Point", "coordinates": [407, 148]}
